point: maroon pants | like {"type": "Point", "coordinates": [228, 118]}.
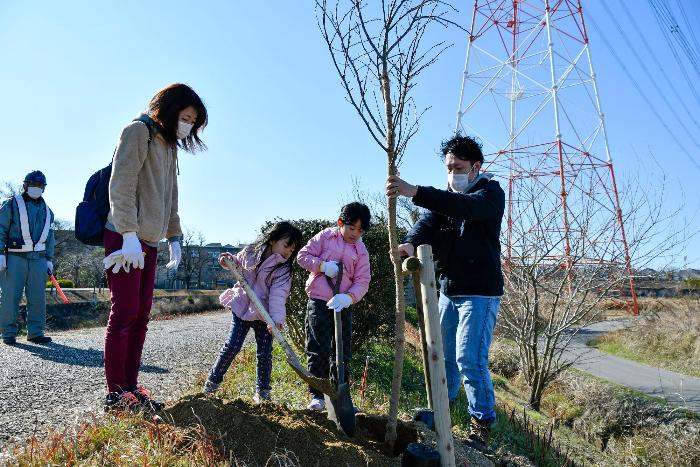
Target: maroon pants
{"type": "Point", "coordinates": [132, 297]}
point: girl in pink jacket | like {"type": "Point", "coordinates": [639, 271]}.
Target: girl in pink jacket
{"type": "Point", "coordinates": [267, 267]}
{"type": "Point", "coordinates": [323, 256]}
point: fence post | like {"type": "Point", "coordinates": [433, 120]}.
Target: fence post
{"type": "Point", "coordinates": [438, 377]}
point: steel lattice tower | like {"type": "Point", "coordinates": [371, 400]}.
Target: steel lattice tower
{"type": "Point", "coordinates": [529, 60]}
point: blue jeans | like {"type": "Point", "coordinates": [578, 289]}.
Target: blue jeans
{"type": "Point", "coordinates": [467, 324]}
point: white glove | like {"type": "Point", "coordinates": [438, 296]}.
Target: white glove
{"type": "Point", "coordinates": [407, 248]}
{"type": "Point", "coordinates": [339, 302]}
{"type": "Point", "coordinates": [175, 255]}
{"type": "Point", "coordinates": [226, 298]}
{"type": "Point", "coordinates": [330, 268]}
{"type": "Point", "coordinates": [132, 251]}
{"type": "Point", "coordinates": [49, 266]}
{"type": "Point", "coordinates": [117, 260]}
{"type": "Point", "coordinates": [3, 262]}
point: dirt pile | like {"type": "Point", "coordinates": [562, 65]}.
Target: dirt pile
{"type": "Point", "coordinates": [254, 433]}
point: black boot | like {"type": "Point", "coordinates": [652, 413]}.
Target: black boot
{"type": "Point", "coordinates": [40, 340]}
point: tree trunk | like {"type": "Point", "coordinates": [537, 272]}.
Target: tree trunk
{"type": "Point", "coordinates": [399, 340]}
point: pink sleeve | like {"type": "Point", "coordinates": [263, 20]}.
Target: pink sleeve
{"type": "Point", "coordinates": [308, 257]}
{"type": "Point", "coordinates": [360, 283]}
{"type": "Point", "coordinates": [279, 291]}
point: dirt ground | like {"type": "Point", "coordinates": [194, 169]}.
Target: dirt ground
{"type": "Point", "coordinates": [272, 434]}
{"type": "Point", "coordinates": [254, 433]}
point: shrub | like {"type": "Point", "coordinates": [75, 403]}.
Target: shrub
{"type": "Point", "coordinates": [63, 283]}
{"type": "Point", "coordinates": [373, 316]}
{"type": "Point", "coordinates": [504, 359]}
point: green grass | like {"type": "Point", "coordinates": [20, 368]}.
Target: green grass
{"type": "Point", "coordinates": [412, 315]}
{"type": "Point", "coordinates": [287, 388]}
{"type": "Point", "coordinates": [661, 358]}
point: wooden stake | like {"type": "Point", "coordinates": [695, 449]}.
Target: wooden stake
{"type": "Point", "coordinates": [411, 265]}
{"type": "Point", "coordinates": [438, 377]}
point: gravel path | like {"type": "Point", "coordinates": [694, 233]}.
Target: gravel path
{"type": "Point", "coordinates": [55, 386]}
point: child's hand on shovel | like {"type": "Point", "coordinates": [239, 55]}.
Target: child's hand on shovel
{"type": "Point", "coordinates": [279, 326]}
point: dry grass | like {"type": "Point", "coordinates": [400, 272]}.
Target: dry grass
{"type": "Point", "coordinates": [666, 335]}
{"type": "Point", "coordinates": [628, 427]}
{"type": "Point", "coordinates": [121, 441]}
{"type": "Point", "coordinates": [633, 429]}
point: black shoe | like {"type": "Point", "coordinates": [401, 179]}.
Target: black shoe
{"type": "Point", "coordinates": [121, 401]}
{"type": "Point", "coordinates": [9, 340]}
{"type": "Point", "coordinates": [40, 340]}
{"type": "Point", "coordinates": [144, 397]}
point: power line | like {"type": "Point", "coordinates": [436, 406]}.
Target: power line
{"type": "Point", "coordinates": [641, 93]}
{"type": "Point", "coordinates": [684, 15]}
{"type": "Point", "coordinates": [663, 11]}
{"type": "Point", "coordinates": [659, 91]}
{"type": "Point", "coordinates": [658, 64]}
{"type": "Point", "coordinates": [678, 59]}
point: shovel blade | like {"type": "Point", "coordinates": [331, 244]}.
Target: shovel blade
{"type": "Point", "coordinates": [341, 410]}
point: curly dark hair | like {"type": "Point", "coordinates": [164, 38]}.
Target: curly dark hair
{"type": "Point", "coordinates": [462, 147]}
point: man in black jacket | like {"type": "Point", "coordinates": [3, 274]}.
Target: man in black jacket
{"type": "Point", "coordinates": [463, 224]}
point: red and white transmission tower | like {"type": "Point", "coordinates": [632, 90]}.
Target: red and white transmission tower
{"type": "Point", "coordinates": [529, 68]}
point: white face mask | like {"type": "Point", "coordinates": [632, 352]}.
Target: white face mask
{"type": "Point", "coordinates": [183, 129]}
{"type": "Point", "coordinates": [458, 182]}
{"type": "Point", "coordinates": [35, 192]}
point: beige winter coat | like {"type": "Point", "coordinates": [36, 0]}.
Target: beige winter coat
{"type": "Point", "coordinates": [143, 187]}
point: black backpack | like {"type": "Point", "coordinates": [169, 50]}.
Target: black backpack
{"type": "Point", "coordinates": [91, 213]}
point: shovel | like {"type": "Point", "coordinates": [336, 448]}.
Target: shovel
{"type": "Point", "coordinates": [340, 408]}
{"type": "Point", "coordinates": [323, 385]}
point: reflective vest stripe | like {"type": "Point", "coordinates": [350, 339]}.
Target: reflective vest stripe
{"type": "Point", "coordinates": [29, 244]}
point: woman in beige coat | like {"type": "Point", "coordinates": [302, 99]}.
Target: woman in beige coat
{"type": "Point", "coordinates": [143, 200]}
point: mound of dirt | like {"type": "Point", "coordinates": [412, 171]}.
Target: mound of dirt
{"type": "Point", "coordinates": [254, 433]}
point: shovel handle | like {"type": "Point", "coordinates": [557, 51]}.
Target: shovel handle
{"type": "Point", "coordinates": [292, 358]}
{"type": "Point", "coordinates": [339, 362]}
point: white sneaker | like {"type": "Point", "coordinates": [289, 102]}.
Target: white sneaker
{"type": "Point", "coordinates": [210, 388]}
{"type": "Point", "coordinates": [316, 404]}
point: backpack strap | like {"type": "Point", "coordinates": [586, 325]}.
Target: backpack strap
{"type": "Point", "coordinates": [150, 124]}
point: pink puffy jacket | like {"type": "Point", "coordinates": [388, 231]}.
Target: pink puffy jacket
{"type": "Point", "coordinates": [273, 296]}
{"type": "Point", "coordinates": [329, 245]}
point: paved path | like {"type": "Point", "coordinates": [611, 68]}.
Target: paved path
{"type": "Point", "coordinates": [674, 387]}
{"type": "Point", "coordinates": [58, 385]}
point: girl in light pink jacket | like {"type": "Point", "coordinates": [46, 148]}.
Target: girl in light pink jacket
{"type": "Point", "coordinates": [266, 266]}
{"type": "Point", "coordinates": [324, 256]}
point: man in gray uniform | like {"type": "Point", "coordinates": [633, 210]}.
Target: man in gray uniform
{"type": "Point", "coordinates": [26, 252]}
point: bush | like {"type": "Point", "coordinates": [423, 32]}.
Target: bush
{"type": "Point", "coordinates": [62, 283]}
{"type": "Point", "coordinates": [504, 359]}
{"type": "Point", "coordinates": [373, 316]}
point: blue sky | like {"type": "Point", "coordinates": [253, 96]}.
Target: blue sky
{"type": "Point", "coordinates": [282, 140]}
